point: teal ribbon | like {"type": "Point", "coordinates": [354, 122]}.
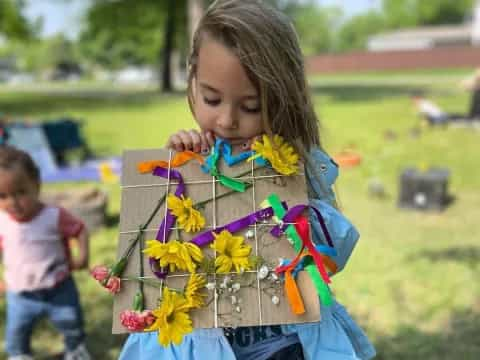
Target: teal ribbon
{"type": "Point", "coordinates": [226, 181]}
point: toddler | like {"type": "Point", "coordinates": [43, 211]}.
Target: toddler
{"type": "Point", "coordinates": [37, 261]}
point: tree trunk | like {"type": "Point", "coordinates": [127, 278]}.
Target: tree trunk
{"type": "Point", "coordinates": [168, 47]}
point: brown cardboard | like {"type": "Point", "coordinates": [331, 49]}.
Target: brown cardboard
{"type": "Point", "coordinates": [140, 194]}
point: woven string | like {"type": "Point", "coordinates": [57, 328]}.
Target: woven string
{"type": "Point", "coordinates": [214, 209]}
{"type": "Point", "coordinates": [259, 295]}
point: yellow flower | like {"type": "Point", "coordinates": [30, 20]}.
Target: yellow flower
{"type": "Point", "coordinates": [188, 218]}
{"type": "Point", "coordinates": [175, 254]}
{"type": "Point", "coordinates": [231, 251]}
{"type": "Point", "coordinates": [280, 154]}
{"type": "Point", "coordinates": [172, 319]}
{"type": "Point", "coordinates": [194, 285]}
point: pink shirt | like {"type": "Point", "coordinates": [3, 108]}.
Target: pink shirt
{"type": "Point", "coordinates": [35, 252]}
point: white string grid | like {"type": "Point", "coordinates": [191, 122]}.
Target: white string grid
{"type": "Point", "coordinates": [206, 181]}
{"type": "Point", "coordinates": [167, 185]}
{"type": "Point", "coordinates": [259, 295]}
{"type": "Point", "coordinates": [214, 223]}
{"type": "Point", "coordinates": [166, 211]}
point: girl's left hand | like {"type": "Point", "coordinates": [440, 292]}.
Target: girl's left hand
{"type": "Point", "coordinates": [194, 140]}
{"type": "Point", "coordinates": [79, 264]}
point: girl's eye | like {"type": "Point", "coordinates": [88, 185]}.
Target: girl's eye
{"type": "Point", "coordinates": [251, 110]}
{"type": "Point", "coordinates": [211, 102]}
{"type": "Point", "coordinates": [21, 192]}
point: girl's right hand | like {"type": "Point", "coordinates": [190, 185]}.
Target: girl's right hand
{"type": "Point", "coordinates": [193, 140]}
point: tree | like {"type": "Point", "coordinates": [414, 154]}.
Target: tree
{"type": "Point", "coordinates": [141, 32]}
{"type": "Point", "coordinates": [316, 27]}
{"type": "Point", "coordinates": [443, 11]}
{"type": "Point", "coordinates": [13, 23]}
{"type": "Point", "coordinates": [354, 34]}
{"type": "Point", "coordinates": [406, 13]}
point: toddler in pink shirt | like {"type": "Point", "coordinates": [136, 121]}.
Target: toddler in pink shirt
{"type": "Point", "coordinates": [37, 263]}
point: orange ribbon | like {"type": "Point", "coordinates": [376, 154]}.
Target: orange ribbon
{"type": "Point", "coordinates": [293, 294]}
{"type": "Point", "coordinates": [178, 160]}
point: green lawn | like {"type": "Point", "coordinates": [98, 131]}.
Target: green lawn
{"type": "Point", "coordinates": [411, 280]}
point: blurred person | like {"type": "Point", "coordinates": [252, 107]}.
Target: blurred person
{"type": "Point", "coordinates": [437, 116]}
{"type": "Point", "coordinates": [430, 111]}
{"type": "Point", "coordinates": [472, 83]}
{"type": "Point", "coordinates": [37, 261]}
{"type": "Point", "coordinates": [247, 80]}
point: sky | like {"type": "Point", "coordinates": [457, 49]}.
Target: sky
{"type": "Point", "coordinates": [65, 15]}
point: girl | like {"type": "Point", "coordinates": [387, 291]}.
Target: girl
{"type": "Point", "coordinates": [247, 79]}
{"type": "Point", "coordinates": [37, 265]}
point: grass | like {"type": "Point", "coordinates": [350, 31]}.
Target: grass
{"type": "Point", "coordinates": [411, 282]}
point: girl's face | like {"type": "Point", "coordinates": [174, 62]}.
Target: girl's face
{"type": "Point", "coordinates": [225, 100]}
{"type": "Point", "coordinates": [19, 195]}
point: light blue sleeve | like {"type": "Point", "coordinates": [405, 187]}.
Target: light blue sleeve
{"type": "Point", "coordinates": [321, 196]}
{"type": "Point", "coordinates": [321, 173]}
{"type": "Point", "coordinates": [343, 234]}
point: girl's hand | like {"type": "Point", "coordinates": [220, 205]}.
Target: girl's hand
{"type": "Point", "coordinates": [80, 263]}
{"type": "Point", "coordinates": [193, 140]}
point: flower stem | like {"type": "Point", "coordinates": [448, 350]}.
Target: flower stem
{"type": "Point", "coordinates": [151, 282]}
{"type": "Point", "coordinates": [142, 228]}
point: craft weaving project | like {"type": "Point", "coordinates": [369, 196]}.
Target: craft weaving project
{"type": "Point", "coordinates": [215, 242]}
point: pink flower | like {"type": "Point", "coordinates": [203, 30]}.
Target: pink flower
{"type": "Point", "coordinates": [113, 284]}
{"type": "Point", "coordinates": [136, 320]}
{"type": "Point", "coordinates": [99, 272]}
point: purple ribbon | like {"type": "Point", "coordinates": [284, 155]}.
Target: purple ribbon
{"type": "Point", "coordinates": [169, 220]}
{"type": "Point", "coordinates": [293, 213]}
{"type": "Point", "coordinates": [235, 226]}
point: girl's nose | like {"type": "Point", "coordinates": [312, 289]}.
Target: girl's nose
{"type": "Point", "coordinates": [227, 119]}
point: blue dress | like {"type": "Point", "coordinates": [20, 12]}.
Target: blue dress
{"type": "Point", "coordinates": [335, 337]}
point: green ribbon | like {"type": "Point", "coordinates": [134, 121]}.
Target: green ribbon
{"type": "Point", "coordinates": [322, 288]}
{"type": "Point", "coordinates": [225, 180]}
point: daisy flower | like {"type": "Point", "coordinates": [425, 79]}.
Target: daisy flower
{"type": "Point", "coordinates": [174, 254]}
{"type": "Point", "coordinates": [279, 154]}
{"type": "Point", "coordinates": [188, 218]}
{"type": "Point", "coordinates": [171, 318]}
{"type": "Point", "coordinates": [231, 252]}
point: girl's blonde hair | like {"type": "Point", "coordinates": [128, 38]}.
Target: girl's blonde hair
{"type": "Point", "coordinates": [266, 44]}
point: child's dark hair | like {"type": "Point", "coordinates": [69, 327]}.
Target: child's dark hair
{"type": "Point", "coordinates": [11, 157]}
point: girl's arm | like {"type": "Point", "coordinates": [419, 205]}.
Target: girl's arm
{"type": "Point", "coordinates": [81, 260]}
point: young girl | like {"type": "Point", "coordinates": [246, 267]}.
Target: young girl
{"type": "Point", "coordinates": [37, 264]}
{"type": "Point", "coordinates": [247, 79]}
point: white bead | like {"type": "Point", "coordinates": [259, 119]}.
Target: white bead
{"type": "Point", "coordinates": [233, 298]}
{"type": "Point", "coordinates": [262, 272]}
{"type": "Point", "coordinates": [275, 300]}
{"type": "Point", "coordinates": [225, 281]}
{"type": "Point", "coordinates": [210, 286]}
{"type": "Point", "coordinates": [250, 234]}
{"type": "Point", "coordinates": [237, 309]}
{"type": "Point", "coordinates": [236, 287]}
